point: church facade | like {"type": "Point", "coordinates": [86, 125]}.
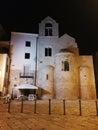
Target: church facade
{"type": "Point", "coordinates": [51, 63]}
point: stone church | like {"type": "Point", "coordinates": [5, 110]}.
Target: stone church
{"type": "Point", "coordinates": [52, 63]}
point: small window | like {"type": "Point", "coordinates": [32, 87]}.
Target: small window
{"type": "Point", "coordinates": [65, 65]}
{"type": "Point", "coordinates": [48, 51]}
{"type": "Point", "coordinates": [28, 44]}
{"type": "Point", "coordinates": [27, 55]}
{"type": "Point", "coordinates": [48, 29]}
{"type": "Point", "coordinates": [47, 77]}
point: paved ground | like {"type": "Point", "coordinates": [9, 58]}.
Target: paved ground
{"type": "Point", "coordinates": [26, 119]}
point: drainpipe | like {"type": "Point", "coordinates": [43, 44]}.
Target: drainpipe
{"type": "Point", "coordinates": [9, 68]}
{"type": "Point", "coordinates": [36, 62]}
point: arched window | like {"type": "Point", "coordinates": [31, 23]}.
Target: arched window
{"type": "Point", "coordinates": [48, 29]}
{"type": "Point", "coordinates": [65, 65]}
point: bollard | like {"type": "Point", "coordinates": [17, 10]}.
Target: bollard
{"type": "Point", "coordinates": [64, 107]}
{"type": "Point", "coordinates": [49, 106]}
{"type": "Point", "coordinates": [35, 106]}
{"type": "Point", "coordinates": [80, 107]}
{"type": "Point", "coordinates": [9, 105]}
{"type": "Point", "coordinates": [22, 105]}
{"type": "Point", "coordinates": [96, 107]}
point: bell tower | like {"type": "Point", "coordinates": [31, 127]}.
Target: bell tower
{"type": "Point", "coordinates": [48, 27]}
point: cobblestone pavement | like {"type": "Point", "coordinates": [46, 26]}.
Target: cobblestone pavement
{"type": "Point", "coordinates": [43, 120]}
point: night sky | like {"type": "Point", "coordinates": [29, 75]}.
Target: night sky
{"type": "Point", "coordinates": [78, 18]}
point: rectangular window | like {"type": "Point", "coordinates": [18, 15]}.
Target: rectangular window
{"type": "Point", "coordinates": [48, 51]}
{"type": "Point", "coordinates": [47, 76]}
{"type": "Point", "coordinates": [27, 55]}
{"type": "Point", "coordinates": [28, 44]}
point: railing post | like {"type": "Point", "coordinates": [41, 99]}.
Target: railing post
{"type": "Point", "coordinates": [96, 107]}
{"type": "Point", "coordinates": [80, 109]}
{"type": "Point", "coordinates": [35, 106]}
{"type": "Point", "coordinates": [49, 106]}
{"type": "Point", "coordinates": [64, 107]}
{"type": "Point", "coordinates": [9, 104]}
{"type": "Point", "coordinates": [22, 105]}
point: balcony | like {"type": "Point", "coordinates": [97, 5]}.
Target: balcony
{"type": "Point", "coordinates": [26, 75]}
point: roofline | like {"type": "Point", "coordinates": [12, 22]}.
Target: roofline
{"type": "Point", "coordinates": [23, 33]}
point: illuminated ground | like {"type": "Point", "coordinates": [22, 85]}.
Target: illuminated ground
{"type": "Point", "coordinates": [42, 120]}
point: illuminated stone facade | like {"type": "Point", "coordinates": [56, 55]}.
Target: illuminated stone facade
{"type": "Point", "coordinates": [52, 63]}
{"type": "Point", "coordinates": [4, 74]}
{"type": "Point", "coordinates": [4, 67]}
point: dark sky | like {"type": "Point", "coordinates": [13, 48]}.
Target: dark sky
{"type": "Point", "coordinates": [78, 18]}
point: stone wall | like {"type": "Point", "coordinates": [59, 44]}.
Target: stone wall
{"type": "Point", "coordinates": [45, 81]}
{"type": "Point", "coordinates": [87, 79]}
{"type": "Point", "coordinates": [66, 82]}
